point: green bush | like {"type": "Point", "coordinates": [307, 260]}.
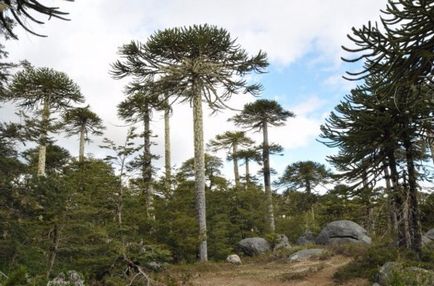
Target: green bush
{"type": "Point", "coordinates": [365, 265]}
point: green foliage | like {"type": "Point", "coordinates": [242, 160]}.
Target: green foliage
{"type": "Point", "coordinates": [255, 114]}
{"type": "Point", "coordinates": [367, 265]}
{"type": "Point", "coordinates": [23, 12]}
{"type": "Point", "coordinates": [304, 174]}
{"type": "Point", "coordinates": [18, 277]}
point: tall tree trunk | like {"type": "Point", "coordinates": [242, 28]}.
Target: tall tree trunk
{"type": "Point", "coordinates": [308, 187]}
{"type": "Point", "coordinates": [235, 161]}
{"type": "Point", "coordinates": [430, 142]}
{"type": "Point", "coordinates": [147, 162]}
{"type": "Point", "coordinates": [167, 153]}
{"type": "Point", "coordinates": [55, 239]}
{"type": "Point", "coordinates": [397, 199]}
{"type": "Point", "coordinates": [267, 178]}
{"type": "Point", "coordinates": [247, 172]}
{"type": "Point", "coordinates": [393, 222]}
{"type": "Point", "coordinates": [82, 141]}
{"type": "Point", "coordinates": [199, 170]}
{"type": "Point", "coordinates": [413, 206]}
{"type": "Point", "coordinates": [43, 137]}
{"type": "Point", "coordinates": [370, 209]}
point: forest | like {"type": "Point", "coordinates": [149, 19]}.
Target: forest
{"type": "Point", "coordinates": [118, 220]}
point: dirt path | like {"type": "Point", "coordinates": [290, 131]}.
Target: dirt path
{"type": "Point", "coordinates": [314, 272]}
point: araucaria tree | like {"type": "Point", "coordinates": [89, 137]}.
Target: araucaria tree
{"type": "Point", "coordinates": [232, 141]}
{"type": "Point", "coordinates": [398, 69]}
{"type": "Point", "coordinates": [135, 108]}
{"type": "Point", "coordinates": [304, 174]}
{"type": "Point", "coordinates": [82, 121]}
{"type": "Point", "coordinates": [44, 91]}
{"type": "Point", "coordinates": [194, 64]}
{"type": "Point", "coordinates": [259, 115]}
{"type": "Point", "coordinates": [23, 12]}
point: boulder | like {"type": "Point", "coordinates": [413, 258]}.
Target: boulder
{"type": "Point", "coordinates": [425, 240]}
{"type": "Point", "coordinates": [392, 272]}
{"type": "Point", "coordinates": [281, 242]}
{"type": "Point", "coordinates": [343, 231]}
{"type": "Point", "coordinates": [154, 266]}
{"type": "Point", "coordinates": [234, 259]}
{"type": "Point", "coordinates": [430, 234]}
{"type": "Point", "coordinates": [254, 246]}
{"type": "Point", "coordinates": [306, 254]}
{"type": "Point", "coordinates": [306, 238]}
{"type": "Point", "coordinates": [71, 278]}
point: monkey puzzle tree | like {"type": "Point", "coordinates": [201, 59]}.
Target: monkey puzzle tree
{"type": "Point", "coordinates": [248, 155]}
{"type": "Point", "coordinates": [259, 115]}
{"type": "Point", "coordinates": [231, 140]}
{"type": "Point", "coordinates": [304, 174]}
{"type": "Point", "coordinates": [82, 121]}
{"type": "Point", "coordinates": [193, 64]}
{"type": "Point", "coordinates": [138, 108]}
{"type": "Point", "coordinates": [20, 11]}
{"type": "Point", "coordinates": [44, 91]}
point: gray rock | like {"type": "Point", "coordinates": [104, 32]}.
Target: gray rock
{"type": "Point", "coordinates": [234, 259]}
{"type": "Point", "coordinates": [281, 242]}
{"type": "Point", "coordinates": [154, 266]}
{"type": "Point", "coordinates": [343, 231]}
{"type": "Point", "coordinates": [425, 240]}
{"type": "Point", "coordinates": [386, 272]}
{"type": "Point", "coordinates": [306, 254]}
{"type": "Point", "coordinates": [306, 238]}
{"type": "Point", "coordinates": [430, 234]}
{"type": "Point", "coordinates": [391, 272]}
{"type": "Point", "coordinates": [72, 278]}
{"type": "Point", "coordinates": [254, 246]}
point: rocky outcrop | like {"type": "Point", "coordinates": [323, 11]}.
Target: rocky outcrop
{"type": "Point", "coordinates": [234, 259]}
{"type": "Point", "coordinates": [254, 246]}
{"type": "Point", "coordinates": [428, 237]}
{"type": "Point", "coordinates": [71, 278]}
{"type": "Point", "coordinates": [430, 234]}
{"type": "Point", "coordinates": [306, 254]}
{"type": "Point", "coordinates": [343, 231]}
{"type": "Point", "coordinates": [393, 272]}
{"type": "Point", "coordinates": [282, 242]}
{"type": "Point", "coordinates": [306, 238]}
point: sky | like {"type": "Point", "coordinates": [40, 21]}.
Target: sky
{"type": "Point", "coordinates": [302, 39]}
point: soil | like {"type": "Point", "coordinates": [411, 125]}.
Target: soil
{"type": "Point", "coordinates": [316, 272]}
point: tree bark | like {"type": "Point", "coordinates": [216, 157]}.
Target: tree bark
{"type": "Point", "coordinates": [82, 141]}
{"type": "Point", "coordinates": [267, 178]}
{"type": "Point", "coordinates": [43, 138]}
{"type": "Point", "coordinates": [393, 222]}
{"type": "Point", "coordinates": [55, 234]}
{"type": "Point", "coordinates": [370, 209]}
{"type": "Point", "coordinates": [397, 199]}
{"type": "Point", "coordinates": [199, 169]}
{"type": "Point", "coordinates": [247, 173]}
{"type": "Point", "coordinates": [167, 153]}
{"type": "Point", "coordinates": [235, 161]}
{"type": "Point", "coordinates": [413, 206]}
{"type": "Point", "coordinates": [147, 162]}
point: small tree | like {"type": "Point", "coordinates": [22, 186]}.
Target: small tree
{"type": "Point", "coordinates": [82, 121]}
{"type": "Point", "coordinates": [248, 155]}
{"type": "Point", "coordinates": [258, 116]}
{"type": "Point", "coordinates": [304, 174]}
{"type": "Point", "coordinates": [231, 141]}
{"type": "Point", "coordinates": [138, 107]}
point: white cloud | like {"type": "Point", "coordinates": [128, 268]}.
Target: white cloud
{"type": "Point", "coordinates": [85, 47]}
